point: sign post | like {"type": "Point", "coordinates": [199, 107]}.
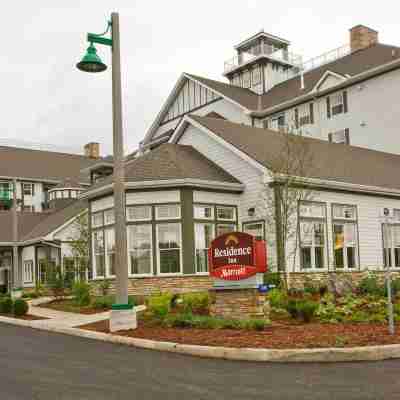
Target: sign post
{"type": "Point", "coordinates": [237, 263]}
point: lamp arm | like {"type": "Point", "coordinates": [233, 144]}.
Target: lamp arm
{"type": "Point", "coordinates": [109, 23]}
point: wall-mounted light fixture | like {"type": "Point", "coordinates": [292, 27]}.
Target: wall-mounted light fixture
{"type": "Point", "coordinates": [251, 211]}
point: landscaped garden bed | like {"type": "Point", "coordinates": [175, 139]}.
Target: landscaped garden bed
{"type": "Point", "coordinates": [16, 309]}
{"type": "Point", "coordinates": [313, 317]}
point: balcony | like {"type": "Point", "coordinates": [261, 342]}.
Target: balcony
{"type": "Point", "coordinates": [279, 55]}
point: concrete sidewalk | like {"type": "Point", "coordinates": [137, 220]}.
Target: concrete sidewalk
{"type": "Point", "coordinates": [62, 319]}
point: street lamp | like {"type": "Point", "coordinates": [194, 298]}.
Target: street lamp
{"type": "Point", "coordinates": [122, 314]}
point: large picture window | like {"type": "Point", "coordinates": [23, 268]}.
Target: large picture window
{"type": "Point", "coordinates": [98, 251]}
{"type": "Point", "coordinates": [140, 249]}
{"type": "Point", "coordinates": [312, 235]}
{"type": "Point", "coordinates": [345, 236]}
{"type": "Point", "coordinates": [169, 248]}
{"type": "Point", "coordinates": [204, 234]}
{"type": "Point", "coordinates": [225, 213]}
{"type": "Point", "coordinates": [110, 251]}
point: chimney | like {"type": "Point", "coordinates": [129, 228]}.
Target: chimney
{"type": "Point", "coordinates": [92, 150]}
{"type": "Point", "coordinates": [361, 37]}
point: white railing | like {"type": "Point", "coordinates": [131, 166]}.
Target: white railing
{"type": "Point", "coordinates": [326, 58]}
{"type": "Point", "coordinates": [265, 50]}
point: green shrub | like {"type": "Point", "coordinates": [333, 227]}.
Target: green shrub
{"type": "Point", "coordinates": [196, 303]}
{"type": "Point", "coordinates": [370, 286]}
{"type": "Point", "coordinates": [306, 309]}
{"type": "Point", "coordinates": [81, 293]}
{"type": "Point", "coordinates": [30, 295]}
{"type": "Point", "coordinates": [292, 308]}
{"type": "Point", "coordinates": [273, 278]}
{"type": "Point", "coordinates": [103, 302]}
{"type": "Point", "coordinates": [104, 287]}
{"type": "Point", "coordinates": [277, 298]}
{"type": "Point", "coordinates": [310, 287]}
{"type": "Point", "coordinates": [255, 324]}
{"type": "Point", "coordinates": [131, 300]}
{"type": "Point", "coordinates": [160, 305]}
{"type": "Point", "coordinates": [180, 321]}
{"type": "Point", "coordinates": [20, 307]}
{"type": "Point", "coordinates": [6, 305]}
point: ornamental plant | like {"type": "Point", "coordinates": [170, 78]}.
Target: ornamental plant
{"type": "Point", "coordinates": [81, 293]}
{"type": "Point", "coordinates": [6, 305]}
{"type": "Point", "coordinates": [20, 307]}
{"type": "Point", "coordinates": [160, 305]}
{"type": "Point", "coordinates": [196, 303]}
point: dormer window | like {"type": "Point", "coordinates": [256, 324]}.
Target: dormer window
{"type": "Point", "coordinates": [256, 76]}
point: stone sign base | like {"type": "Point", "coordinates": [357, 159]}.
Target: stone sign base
{"type": "Point", "coordinates": [239, 303]}
{"type": "Point", "coordinates": [121, 320]}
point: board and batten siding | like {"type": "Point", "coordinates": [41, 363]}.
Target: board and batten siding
{"type": "Point", "coordinates": [249, 175]}
{"type": "Point", "coordinates": [370, 220]}
{"type": "Point", "coordinates": [222, 107]}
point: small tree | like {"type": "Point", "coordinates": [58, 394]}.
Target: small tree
{"type": "Point", "coordinates": [79, 243]}
{"type": "Point", "coordinates": [286, 186]}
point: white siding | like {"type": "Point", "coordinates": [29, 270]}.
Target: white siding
{"type": "Point", "coordinates": [102, 204]}
{"type": "Point", "coordinates": [217, 198]}
{"type": "Point", "coordinates": [372, 117]}
{"type": "Point", "coordinates": [159, 196]}
{"type": "Point", "coordinates": [370, 219]}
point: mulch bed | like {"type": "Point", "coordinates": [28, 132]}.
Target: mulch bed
{"type": "Point", "coordinates": [69, 306]}
{"type": "Point", "coordinates": [276, 336]}
{"type": "Point", "coordinates": [27, 317]}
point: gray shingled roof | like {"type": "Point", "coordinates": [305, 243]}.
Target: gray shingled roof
{"type": "Point", "coordinates": [171, 161]}
{"type": "Point", "coordinates": [330, 161]}
{"type": "Point", "coordinates": [352, 64]}
{"type": "Point", "coordinates": [43, 165]}
{"type": "Point", "coordinates": [55, 219]}
{"type": "Point", "coordinates": [26, 222]}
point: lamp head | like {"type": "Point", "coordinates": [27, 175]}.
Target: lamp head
{"type": "Point", "coordinates": [91, 62]}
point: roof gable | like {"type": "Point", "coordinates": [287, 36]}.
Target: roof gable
{"type": "Point", "coordinates": [328, 80]}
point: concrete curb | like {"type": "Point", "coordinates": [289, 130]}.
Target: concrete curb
{"type": "Point", "coordinates": [370, 353]}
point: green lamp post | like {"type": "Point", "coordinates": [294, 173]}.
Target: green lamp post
{"type": "Point", "coordinates": [122, 314]}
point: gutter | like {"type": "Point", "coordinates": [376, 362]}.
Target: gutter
{"type": "Point", "coordinates": [313, 95]}
{"type": "Point", "coordinates": [20, 178]}
{"type": "Point", "coordinates": [184, 182]}
{"type": "Point", "coordinates": [339, 185]}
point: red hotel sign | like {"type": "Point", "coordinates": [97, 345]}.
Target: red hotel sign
{"type": "Point", "coordinates": [235, 256]}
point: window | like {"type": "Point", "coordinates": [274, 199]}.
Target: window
{"type": "Point", "coordinates": [203, 212]}
{"type": "Point", "coordinates": [98, 251]}
{"type": "Point", "coordinates": [109, 217]}
{"type": "Point", "coordinates": [246, 79]}
{"type": "Point", "coordinates": [27, 189]}
{"type": "Point", "coordinates": [74, 194]}
{"type": "Point", "coordinates": [312, 235]}
{"type": "Point", "coordinates": [58, 194]}
{"type": "Point", "coordinates": [140, 249]}
{"type": "Point", "coordinates": [138, 213]}
{"type": "Point", "coordinates": [391, 245]}
{"type": "Point", "coordinates": [97, 220]}
{"type": "Point", "coordinates": [255, 228]}
{"type": "Point", "coordinates": [169, 248]}
{"type": "Point", "coordinates": [345, 243]}
{"type": "Point", "coordinates": [341, 137]}
{"type": "Point", "coordinates": [226, 213]}
{"type": "Point", "coordinates": [236, 80]}
{"type": "Point", "coordinates": [337, 104]}
{"type": "Point", "coordinates": [396, 215]}
{"type": "Point", "coordinates": [225, 228]}
{"type": "Point", "coordinates": [65, 194]}
{"type": "Point", "coordinates": [168, 211]}
{"type": "Point", "coordinates": [110, 251]}
{"type": "Point", "coordinates": [256, 76]}
{"type": "Point", "coordinates": [304, 114]}
{"type": "Point", "coordinates": [204, 234]}
{"type": "Point", "coordinates": [277, 122]}
{"type": "Point", "coordinates": [28, 271]}
{"type": "Point", "coordinates": [5, 191]}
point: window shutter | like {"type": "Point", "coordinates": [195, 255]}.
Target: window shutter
{"type": "Point", "coordinates": [311, 113]}
{"type": "Point", "coordinates": [347, 135]}
{"type": "Point", "coordinates": [328, 107]}
{"type": "Point", "coordinates": [33, 189]}
{"type": "Point", "coordinates": [330, 137]}
{"type": "Point", "coordinates": [296, 118]}
{"type": "Point", "coordinates": [345, 108]}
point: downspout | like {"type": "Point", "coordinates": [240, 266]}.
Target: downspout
{"type": "Point", "coordinates": [278, 228]}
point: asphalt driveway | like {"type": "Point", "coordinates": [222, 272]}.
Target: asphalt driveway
{"type": "Point", "coordinates": [39, 365]}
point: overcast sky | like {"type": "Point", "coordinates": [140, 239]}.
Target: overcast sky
{"type": "Point", "coordinates": [47, 100]}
